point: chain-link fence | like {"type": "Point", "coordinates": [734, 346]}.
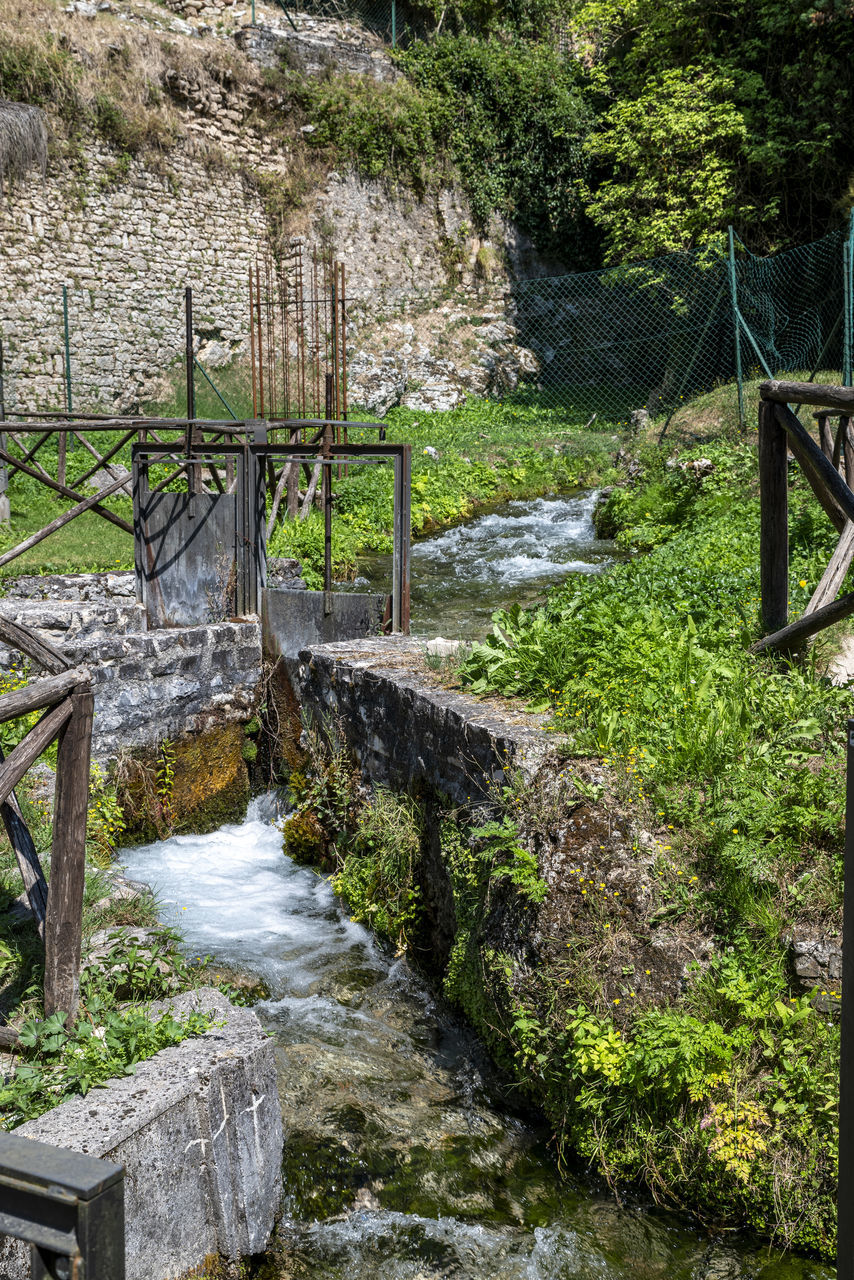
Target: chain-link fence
{"type": "Point", "coordinates": [393, 21]}
{"type": "Point", "coordinates": [656, 334]}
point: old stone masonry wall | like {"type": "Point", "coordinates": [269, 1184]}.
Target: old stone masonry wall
{"type": "Point", "coordinates": [125, 243]}
{"type": "Point", "coordinates": [149, 685]}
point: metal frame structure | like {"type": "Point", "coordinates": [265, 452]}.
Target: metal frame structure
{"type": "Point", "coordinates": [332, 454]}
{"type": "Point", "coordinates": [68, 1207]}
{"type": "Point", "coordinates": [249, 487]}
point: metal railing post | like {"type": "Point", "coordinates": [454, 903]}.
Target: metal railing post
{"type": "Point", "coordinates": [68, 1207]}
{"type": "Point", "coordinates": [736, 320]}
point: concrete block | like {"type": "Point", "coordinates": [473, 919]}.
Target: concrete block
{"type": "Point", "coordinates": [199, 1131]}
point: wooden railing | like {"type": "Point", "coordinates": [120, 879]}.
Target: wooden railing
{"type": "Point", "coordinates": [65, 697]}
{"type": "Point", "coordinates": [829, 469]}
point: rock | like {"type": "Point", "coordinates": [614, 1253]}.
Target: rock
{"type": "Point", "coordinates": [443, 648]}
{"type": "Point", "coordinates": [284, 574]}
{"type": "Point", "coordinates": [638, 420]}
{"type": "Point", "coordinates": [378, 384]}
{"type": "Point", "coordinates": [108, 475]}
{"type": "Point", "coordinates": [817, 963]}
{"type": "Point", "coordinates": [213, 354]}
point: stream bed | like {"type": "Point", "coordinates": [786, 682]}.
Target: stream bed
{"type": "Point", "coordinates": [402, 1159]}
{"type": "Point", "coordinates": [512, 554]}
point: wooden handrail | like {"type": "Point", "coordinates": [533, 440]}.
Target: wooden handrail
{"type": "Point", "coordinates": [35, 647]}
{"type": "Point", "coordinates": [42, 693]}
{"type": "Point", "coordinates": [822, 466]}
{"type": "Point", "coordinates": [816, 393]}
{"type": "Point", "coordinates": [30, 748]}
{"type": "Point", "coordinates": [792, 635]}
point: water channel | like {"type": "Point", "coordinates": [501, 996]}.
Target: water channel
{"type": "Point", "coordinates": [513, 553]}
{"type": "Point", "coordinates": [404, 1159]}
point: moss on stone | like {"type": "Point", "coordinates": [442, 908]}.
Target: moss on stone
{"type": "Point", "coordinates": [209, 785]}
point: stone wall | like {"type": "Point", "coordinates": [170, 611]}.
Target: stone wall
{"type": "Point", "coordinates": [125, 249]}
{"type": "Point", "coordinates": [148, 685]}
{"type": "Point", "coordinates": [126, 233]}
{"type": "Point", "coordinates": [406, 729]}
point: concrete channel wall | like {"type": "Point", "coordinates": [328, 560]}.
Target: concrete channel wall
{"type": "Point", "coordinates": [198, 1129]}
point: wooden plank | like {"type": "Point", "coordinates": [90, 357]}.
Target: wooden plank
{"type": "Point", "coordinates": [66, 517]}
{"type": "Point", "coordinates": [837, 446]}
{"type": "Point", "coordinates": [310, 491]}
{"type": "Point", "coordinates": [35, 885]}
{"type": "Point", "coordinates": [816, 393]}
{"type": "Point", "coordinates": [825, 437]}
{"type": "Point", "coordinates": [101, 460]}
{"type": "Point", "coordinates": [62, 457]}
{"type": "Point", "coordinates": [25, 754]}
{"type": "Point", "coordinates": [40, 650]}
{"type": "Point", "coordinates": [111, 453]}
{"type": "Point", "coordinates": [64, 925]}
{"type": "Point", "coordinates": [825, 480]}
{"type": "Point", "coordinates": [792, 635]}
{"type": "Point", "coordinates": [40, 694]}
{"type": "Point", "coordinates": [29, 454]}
{"type": "Point", "coordinates": [277, 497]}
{"type": "Point", "coordinates": [834, 574]}
{"type": "Point", "coordinates": [833, 511]}
{"type": "Point", "coordinates": [65, 491]}
{"type": "Point", "coordinates": [773, 520]}
{"type": "Point", "coordinates": [848, 451]}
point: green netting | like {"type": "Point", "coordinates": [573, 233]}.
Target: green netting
{"type": "Point", "coordinates": [653, 335]}
{"type": "Point", "coordinates": [394, 21]}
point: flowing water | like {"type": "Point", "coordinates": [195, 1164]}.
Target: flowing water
{"type": "Point", "coordinates": [460, 577]}
{"type": "Point", "coordinates": [402, 1160]}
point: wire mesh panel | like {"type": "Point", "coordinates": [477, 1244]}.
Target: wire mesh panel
{"type": "Point", "coordinates": [636, 336]}
{"type": "Point", "coordinates": [392, 20]}
{"type": "Point", "coordinates": [298, 335]}
{"type": "Point", "coordinates": [656, 334]}
{"type": "Point", "coordinates": [792, 305]}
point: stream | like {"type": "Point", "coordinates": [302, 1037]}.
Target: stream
{"type": "Point", "coordinates": [402, 1159]}
{"type": "Point", "coordinates": [512, 554]}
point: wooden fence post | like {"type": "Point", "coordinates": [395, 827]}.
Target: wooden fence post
{"type": "Point", "coordinates": [63, 927]}
{"type": "Point", "coordinates": [774, 520]}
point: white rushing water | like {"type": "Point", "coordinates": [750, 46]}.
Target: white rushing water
{"type": "Point", "coordinates": [513, 554]}
{"type": "Point", "coordinates": [400, 1162]}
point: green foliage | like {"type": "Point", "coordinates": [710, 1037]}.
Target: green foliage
{"type": "Point", "coordinates": [673, 151]}
{"type": "Point", "coordinates": [326, 799]}
{"type": "Point", "coordinates": [509, 118]}
{"type": "Point", "coordinates": [377, 876]}
{"type": "Point", "coordinates": [770, 78]}
{"type": "Point", "coordinates": [41, 72]}
{"type": "Point", "coordinates": [104, 1042]}
{"type": "Point", "coordinates": [514, 117]}
{"type": "Point", "coordinates": [105, 823]}
{"type": "Point", "coordinates": [508, 859]}
{"type": "Point", "coordinates": [740, 758]}
{"type": "Point", "coordinates": [488, 452]}
{"type": "Point", "coordinates": [389, 130]}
